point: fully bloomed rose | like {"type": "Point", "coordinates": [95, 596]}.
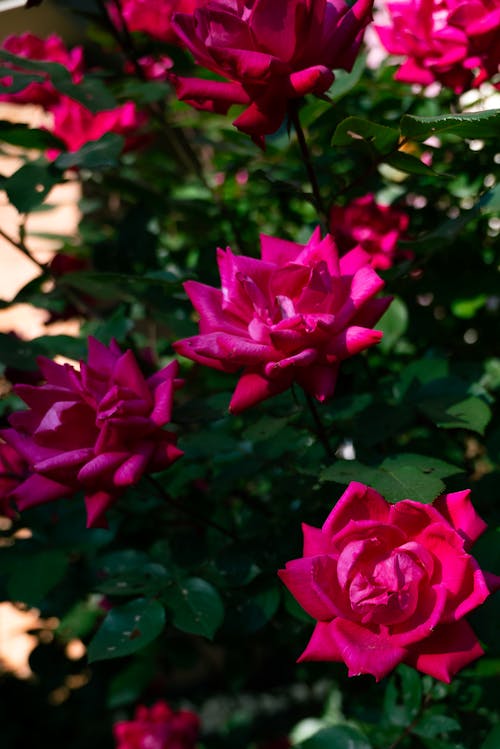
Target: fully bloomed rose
{"type": "Point", "coordinates": [98, 429]}
{"type": "Point", "coordinates": [392, 584]}
{"type": "Point", "coordinates": [158, 727]}
{"type": "Point", "coordinates": [292, 316]}
{"type": "Point", "coordinates": [455, 42]}
{"type": "Point", "coordinates": [269, 51]}
{"type": "Point", "coordinates": [154, 17]}
{"type": "Point", "coordinates": [51, 49]}
{"type": "Point", "coordinates": [372, 226]}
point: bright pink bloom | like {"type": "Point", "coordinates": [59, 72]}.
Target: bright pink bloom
{"type": "Point", "coordinates": [291, 317]}
{"type": "Point", "coordinates": [13, 470]}
{"type": "Point", "coordinates": [392, 583]}
{"type": "Point", "coordinates": [98, 429]}
{"type": "Point", "coordinates": [51, 49]}
{"type": "Point", "coordinates": [154, 17]}
{"type": "Point", "coordinates": [269, 51]}
{"type": "Point", "coordinates": [158, 727]}
{"type": "Point", "coordinates": [367, 224]}
{"type": "Point", "coordinates": [455, 42]}
{"type": "Point", "coordinates": [76, 125]}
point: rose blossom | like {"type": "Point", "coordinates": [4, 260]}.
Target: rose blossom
{"type": "Point", "coordinates": [13, 470]}
{"type": "Point", "coordinates": [372, 226]}
{"type": "Point", "coordinates": [98, 429]}
{"type": "Point", "coordinates": [455, 42]}
{"type": "Point", "coordinates": [292, 316]}
{"type": "Point", "coordinates": [158, 727]}
{"type": "Point", "coordinates": [269, 51]}
{"type": "Point", "coordinates": [154, 17]}
{"type": "Point", "coordinates": [51, 49]}
{"type": "Point", "coordinates": [76, 125]}
{"type": "Point", "coordinates": [392, 583]}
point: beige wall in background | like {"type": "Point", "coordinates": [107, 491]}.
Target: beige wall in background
{"type": "Point", "coordinates": [42, 20]}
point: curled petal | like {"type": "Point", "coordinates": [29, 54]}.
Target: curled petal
{"type": "Point", "coordinates": [446, 651]}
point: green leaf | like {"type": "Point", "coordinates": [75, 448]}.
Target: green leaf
{"type": "Point", "coordinates": [79, 621]}
{"type": "Point", "coordinates": [393, 324]}
{"type": "Point", "coordinates": [29, 186]}
{"type": "Point", "coordinates": [435, 725]}
{"type": "Point", "coordinates": [471, 413]}
{"type": "Point", "coordinates": [475, 125]}
{"type": "Point", "coordinates": [406, 162]}
{"type": "Point", "coordinates": [397, 482]}
{"type": "Point", "coordinates": [344, 81]}
{"type": "Point", "coordinates": [127, 573]}
{"type": "Point", "coordinates": [465, 309]}
{"type": "Point", "coordinates": [196, 606]}
{"type": "Point", "coordinates": [490, 201]}
{"type": "Point", "coordinates": [337, 737]}
{"type": "Point", "coordinates": [344, 471]}
{"type": "Point", "coordinates": [36, 576]}
{"type": "Point", "coordinates": [95, 154]}
{"type": "Point", "coordinates": [127, 686]}
{"type": "Point", "coordinates": [235, 568]}
{"type": "Point", "coordinates": [126, 629]}
{"type": "Point", "coordinates": [383, 139]}
{"type": "Point", "coordinates": [28, 137]}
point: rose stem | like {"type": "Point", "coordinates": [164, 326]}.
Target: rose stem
{"type": "Point", "coordinates": [179, 506]}
{"type": "Point", "coordinates": [293, 112]}
{"type": "Point", "coordinates": [320, 427]}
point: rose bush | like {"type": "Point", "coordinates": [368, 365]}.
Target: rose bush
{"type": "Point", "coordinates": [97, 430]}
{"type": "Point", "coordinates": [450, 41]}
{"type": "Point", "coordinates": [270, 51]}
{"type": "Point", "coordinates": [292, 316]}
{"type": "Point", "coordinates": [158, 727]}
{"type": "Point", "coordinates": [374, 227]}
{"type": "Point", "coordinates": [392, 583]}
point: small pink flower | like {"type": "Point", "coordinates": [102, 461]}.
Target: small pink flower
{"type": "Point", "coordinates": [451, 41]}
{"type": "Point", "coordinates": [13, 471]}
{"type": "Point", "coordinates": [292, 316]}
{"type": "Point", "coordinates": [51, 49]}
{"type": "Point", "coordinates": [268, 52]}
{"type": "Point", "coordinates": [374, 227]}
{"type": "Point", "coordinates": [158, 727]}
{"type": "Point", "coordinates": [392, 584]}
{"type": "Point", "coordinates": [154, 17]}
{"type": "Point", "coordinates": [76, 125]}
{"type": "Point", "coordinates": [98, 429]}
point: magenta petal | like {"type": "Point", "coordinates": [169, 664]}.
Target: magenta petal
{"type": "Point", "coordinates": [446, 651]}
{"type": "Point", "coordinates": [37, 490]}
{"type": "Point", "coordinates": [97, 505]}
{"type": "Point", "coordinates": [315, 541]}
{"type": "Point", "coordinates": [460, 513]}
{"type": "Point", "coordinates": [253, 387]}
{"type": "Point", "coordinates": [363, 651]}
{"type": "Point", "coordinates": [309, 580]}
{"type": "Point", "coordinates": [322, 646]}
{"type": "Point", "coordinates": [358, 502]}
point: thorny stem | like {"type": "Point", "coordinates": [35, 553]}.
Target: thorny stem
{"type": "Point", "coordinates": [306, 158]}
{"type": "Point", "coordinates": [199, 519]}
{"type": "Point", "coordinates": [320, 427]}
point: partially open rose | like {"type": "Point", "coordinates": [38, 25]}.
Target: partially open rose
{"type": "Point", "coordinates": [392, 583]}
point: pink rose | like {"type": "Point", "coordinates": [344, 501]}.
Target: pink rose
{"type": "Point", "coordinates": [455, 42]}
{"type": "Point", "coordinates": [51, 49]}
{"type": "Point", "coordinates": [269, 51]}
{"type": "Point", "coordinates": [374, 227]}
{"type": "Point", "coordinates": [158, 727]}
{"type": "Point", "coordinates": [13, 470]}
{"type": "Point", "coordinates": [154, 17]}
{"type": "Point", "coordinates": [291, 317]}
{"type": "Point", "coordinates": [97, 429]}
{"type": "Point", "coordinates": [392, 583]}
{"type": "Point", "coordinates": [76, 125]}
